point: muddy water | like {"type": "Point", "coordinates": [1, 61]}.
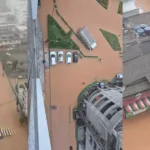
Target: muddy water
{"type": "Point", "coordinates": [145, 4]}
{"type": "Point", "coordinates": [137, 129]}
{"type": "Point", "coordinates": [9, 118]}
{"type": "Point", "coordinates": [64, 82]}
{"type": "Point", "coordinates": [136, 132]}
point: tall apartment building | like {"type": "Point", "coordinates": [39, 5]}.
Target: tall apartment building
{"type": "Point", "coordinates": [7, 24]}
{"type": "Point", "coordinates": [20, 11]}
{"type": "Point", "coordinates": [99, 120]}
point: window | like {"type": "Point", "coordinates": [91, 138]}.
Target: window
{"type": "Point", "coordinates": [106, 107]}
{"type": "Point", "coordinates": [91, 140]}
{"type": "Point", "coordinates": [101, 102]}
{"type": "Point", "coordinates": [113, 112]}
{"type": "Point", "coordinates": [95, 146]}
{"type": "Point", "coordinates": [94, 101]}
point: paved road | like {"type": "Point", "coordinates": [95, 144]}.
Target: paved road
{"type": "Point", "coordinates": [10, 118]}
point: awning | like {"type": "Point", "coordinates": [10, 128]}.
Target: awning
{"type": "Point", "coordinates": [147, 102]}
{"type": "Point", "coordinates": [141, 104]}
{"type": "Point", "coordinates": [135, 106]}
{"type": "Point", "coordinates": [128, 109]}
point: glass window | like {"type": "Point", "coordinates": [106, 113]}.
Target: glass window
{"type": "Point", "coordinates": [91, 139]}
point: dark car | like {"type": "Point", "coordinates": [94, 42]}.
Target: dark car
{"type": "Point", "coordinates": [75, 57]}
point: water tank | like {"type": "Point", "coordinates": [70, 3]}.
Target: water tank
{"type": "Point", "coordinates": [140, 31]}
{"type": "Point", "coordinates": [147, 30]}
{"type": "Point", "coordinates": [143, 26]}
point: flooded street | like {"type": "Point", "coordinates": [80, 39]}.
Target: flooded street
{"type": "Point", "coordinates": [137, 128]}
{"type": "Point", "coordinates": [64, 82]}
{"type": "Point", "coordinates": [144, 4]}
{"type": "Point", "coordinates": [9, 118]}
{"type": "Point", "coordinates": [136, 132]}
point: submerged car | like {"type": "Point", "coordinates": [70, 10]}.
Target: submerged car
{"type": "Point", "coordinates": [75, 57]}
{"type": "Point", "coordinates": [68, 57]}
{"type": "Point", "coordinates": [60, 56]}
{"type": "Point", "coordinates": [53, 57]}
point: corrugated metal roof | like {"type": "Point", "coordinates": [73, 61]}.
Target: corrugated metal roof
{"type": "Point", "coordinates": [87, 36]}
{"type": "Point", "coordinates": [136, 88]}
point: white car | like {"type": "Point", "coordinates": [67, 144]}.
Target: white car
{"type": "Point", "coordinates": [60, 56]}
{"type": "Point", "coordinates": [53, 58]}
{"type": "Point", "coordinates": [68, 57]}
{"type": "Point", "coordinates": [120, 76]}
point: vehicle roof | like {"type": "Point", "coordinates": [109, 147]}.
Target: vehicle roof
{"type": "Point", "coordinates": [52, 52]}
{"type": "Point", "coordinates": [61, 52]}
{"type": "Point", "coordinates": [75, 52]}
{"type": "Point", "coordinates": [68, 53]}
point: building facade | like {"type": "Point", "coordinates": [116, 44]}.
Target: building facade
{"type": "Point", "coordinates": [20, 11]}
{"type": "Point", "coordinates": [99, 121]}
{"type": "Point", "coordinates": [7, 26]}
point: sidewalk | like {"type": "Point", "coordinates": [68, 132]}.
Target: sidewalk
{"type": "Point", "coordinates": [9, 118]}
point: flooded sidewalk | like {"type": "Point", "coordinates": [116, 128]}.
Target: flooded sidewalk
{"type": "Point", "coordinates": [9, 118]}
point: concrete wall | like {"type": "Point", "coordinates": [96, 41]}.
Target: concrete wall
{"type": "Point", "coordinates": [131, 13]}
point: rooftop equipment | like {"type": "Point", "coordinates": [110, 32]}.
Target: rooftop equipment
{"type": "Point", "coordinates": [147, 30]}
{"type": "Point", "coordinates": [140, 32]}
{"type": "Point", "coordinates": [143, 26]}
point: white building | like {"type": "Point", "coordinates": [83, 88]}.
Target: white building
{"type": "Point", "coordinates": [99, 121]}
{"type": "Point", "coordinates": [130, 9]}
{"type": "Point", "coordinates": [7, 24]}
{"type": "Point", "coordinates": [20, 11]}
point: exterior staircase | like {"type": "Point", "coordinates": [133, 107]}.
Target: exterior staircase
{"type": "Point", "coordinates": [5, 132]}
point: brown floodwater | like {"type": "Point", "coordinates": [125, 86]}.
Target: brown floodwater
{"type": "Point", "coordinates": [9, 118]}
{"type": "Point", "coordinates": [145, 4]}
{"type": "Point", "coordinates": [137, 129]}
{"type": "Point", "coordinates": [64, 82]}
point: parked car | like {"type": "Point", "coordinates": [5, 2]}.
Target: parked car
{"type": "Point", "coordinates": [102, 85]}
{"type": "Point", "coordinates": [119, 76]}
{"type": "Point", "coordinates": [75, 57]}
{"type": "Point", "coordinates": [53, 58]}
{"type": "Point", "coordinates": [68, 57]}
{"type": "Point", "coordinates": [60, 56]}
